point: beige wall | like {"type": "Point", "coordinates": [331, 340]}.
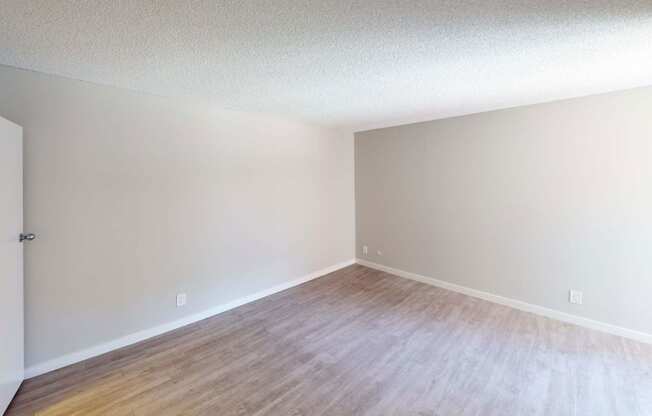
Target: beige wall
{"type": "Point", "coordinates": [135, 198]}
{"type": "Point", "coordinates": [525, 203]}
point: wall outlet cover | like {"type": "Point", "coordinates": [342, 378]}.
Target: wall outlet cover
{"type": "Point", "coordinates": [575, 297]}
{"type": "Point", "coordinates": [181, 299]}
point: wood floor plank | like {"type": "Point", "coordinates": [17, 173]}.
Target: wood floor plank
{"type": "Point", "coordinates": [358, 342]}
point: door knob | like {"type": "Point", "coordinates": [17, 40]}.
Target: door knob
{"type": "Point", "coordinates": [28, 237]}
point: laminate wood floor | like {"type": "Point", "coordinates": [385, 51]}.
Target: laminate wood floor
{"type": "Point", "coordinates": [358, 342]}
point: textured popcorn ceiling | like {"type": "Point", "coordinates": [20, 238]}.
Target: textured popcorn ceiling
{"type": "Point", "coordinates": [355, 64]}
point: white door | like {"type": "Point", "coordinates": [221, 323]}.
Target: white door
{"type": "Point", "coordinates": [11, 261]}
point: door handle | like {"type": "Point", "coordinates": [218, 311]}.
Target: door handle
{"type": "Point", "coordinates": [28, 237]}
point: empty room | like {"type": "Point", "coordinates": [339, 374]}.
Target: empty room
{"type": "Point", "coordinates": [326, 208]}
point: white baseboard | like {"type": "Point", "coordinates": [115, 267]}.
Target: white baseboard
{"type": "Point", "coordinates": [85, 354]}
{"type": "Point", "coordinates": [517, 304]}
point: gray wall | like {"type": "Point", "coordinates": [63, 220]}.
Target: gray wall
{"type": "Point", "coordinates": [135, 198]}
{"type": "Point", "coordinates": [525, 203]}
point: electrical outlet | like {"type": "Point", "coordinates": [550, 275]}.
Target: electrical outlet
{"type": "Point", "coordinates": [575, 297]}
{"type": "Point", "coordinates": [380, 253]}
{"type": "Point", "coordinates": [365, 250]}
{"type": "Point", "coordinates": [181, 299]}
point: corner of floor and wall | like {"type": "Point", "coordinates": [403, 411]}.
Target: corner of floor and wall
{"type": "Point", "coordinates": [137, 199]}
{"type": "Point", "coordinates": [519, 207]}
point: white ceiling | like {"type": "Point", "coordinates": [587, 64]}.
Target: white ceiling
{"type": "Point", "coordinates": [354, 64]}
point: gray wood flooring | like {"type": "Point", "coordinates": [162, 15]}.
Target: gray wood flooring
{"type": "Point", "coordinates": [358, 342]}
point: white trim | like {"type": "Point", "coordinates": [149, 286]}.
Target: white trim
{"type": "Point", "coordinates": [516, 304]}
{"type": "Point", "coordinates": [85, 354]}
